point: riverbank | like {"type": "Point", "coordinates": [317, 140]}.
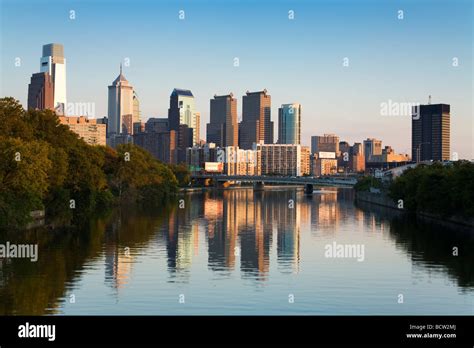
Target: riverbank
{"type": "Point", "coordinates": [382, 199]}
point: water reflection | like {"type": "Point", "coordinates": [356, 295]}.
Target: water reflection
{"type": "Point", "coordinates": [221, 233]}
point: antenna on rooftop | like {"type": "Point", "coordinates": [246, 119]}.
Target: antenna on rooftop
{"type": "Point", "coordinates": [429, 99]}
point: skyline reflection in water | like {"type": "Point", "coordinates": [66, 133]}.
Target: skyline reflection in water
{"type": "Point", "coordinates": [244, 252]}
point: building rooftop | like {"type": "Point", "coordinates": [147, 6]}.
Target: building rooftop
{"type": "Point", "coordinates": [184, 92]}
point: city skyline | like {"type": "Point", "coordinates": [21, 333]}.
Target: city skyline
{"type": "Point", "coordinates": [124, 116]}
{"type": "Point", "coordinates": [315, 78]}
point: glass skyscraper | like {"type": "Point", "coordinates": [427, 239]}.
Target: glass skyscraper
{"type": "Point", "coordinates": [289, 124]}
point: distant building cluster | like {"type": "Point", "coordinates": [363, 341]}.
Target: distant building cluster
{"type": "Point", "coordinates": [233, 148]}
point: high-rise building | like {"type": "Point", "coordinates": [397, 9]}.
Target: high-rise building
{"type": "Point", "coordinates": [182, 112]}
{"type": "Point", "coordinates": [430, 139]}
{"type": "Point", "coordinates": [41, 92]}
{"type": "Point", "coordinates": [54, 63]}
{"type": "Point", "coordinates": [283, 159]}
{"type": "Point", "coordinates": [325, 143]}
{"type": "Point", "coordinates": [289, 124]}
{"type": "Point", "coordinates": [223, 128]}
{"type": "Point", "coordinates": [372, 148]}
{"type": "Point", "coordinates": [120, 105]}
{"type": "Point", "coordinates": [256, 125]}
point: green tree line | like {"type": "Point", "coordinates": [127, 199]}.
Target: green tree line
{"type": "Point", "coordinates": [44, 165]}
{"type": "Point", "coordinates": [445, 190]}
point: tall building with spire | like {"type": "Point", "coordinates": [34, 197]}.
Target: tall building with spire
{"type": "Point", "coordinates": [120, 108]}
{"type": "Point", "coordinates": [54, 63]}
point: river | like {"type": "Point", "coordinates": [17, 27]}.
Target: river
{"type": "Point", "coordinates": [246, 253]}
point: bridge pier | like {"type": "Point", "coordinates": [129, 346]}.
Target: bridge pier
{"type": "Point", "coordinates": [308, 189]}
{"type": "Point", "coordinates": [258, 186]}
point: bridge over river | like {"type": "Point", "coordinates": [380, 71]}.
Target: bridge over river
{"type": "Point", "coordinates": [260, 180]}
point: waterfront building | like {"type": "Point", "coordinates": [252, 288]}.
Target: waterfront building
{"type": "Point", "coordinates": [324, 163]}
{"type": "Point", "coordinates": [283, 159]}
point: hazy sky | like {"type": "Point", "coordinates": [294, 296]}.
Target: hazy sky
{"type": "Point", "coordinates": [299, 60]}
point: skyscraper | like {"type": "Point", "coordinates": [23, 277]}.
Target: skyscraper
{"type": "Point", "coordinates": [289, 124]}
{"type": "Point", "coordinates": [54, 63]}
{"type": "Point", "coordinates": [223, 128]}
{"type": "Point", "coordinates": [182, 112]}
{"type": "Point", "coordinates": [120, 112]}
{"type": "Point", "coordinates": [41, 92]}
{"type": "Point", "coordinates": [430, 138]}
{"type": "Point", "coordinates": [256, 125]}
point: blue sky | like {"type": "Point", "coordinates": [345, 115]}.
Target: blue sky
{"type": "Point", "coordinates": [297, 60]}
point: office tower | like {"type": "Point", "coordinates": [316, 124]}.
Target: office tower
{"type": "Point", "coordinates": [89, 129]}
{"type": "Point", "coordinates": [41, 92]}
{"type": "Point", "coordinates": [223, 128]}
{"type": "Point", "coordinates": [324, 163]}
{"type": "Point", "coordinates": [256, 125]}
{"type": "Point", "coordinates": [325, 143]}
{"type": "Point", "coordinates": [430, 139]}
{"type": "Point", "coordinates": [136, 113]}
{"type": "Point", "coordinates": [289, 124]}
{"type": "Point", "coordinates": [182, 112]}
{"type": "Point", "coordinates": [120, 105]}
{"type": "Point", "coordinates": [372, 149]}
{"type": "Point", "coordinates": [54, 63]}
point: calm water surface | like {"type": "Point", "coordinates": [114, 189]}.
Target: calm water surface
{"type": "Point", "coordinates": [243, 252]}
